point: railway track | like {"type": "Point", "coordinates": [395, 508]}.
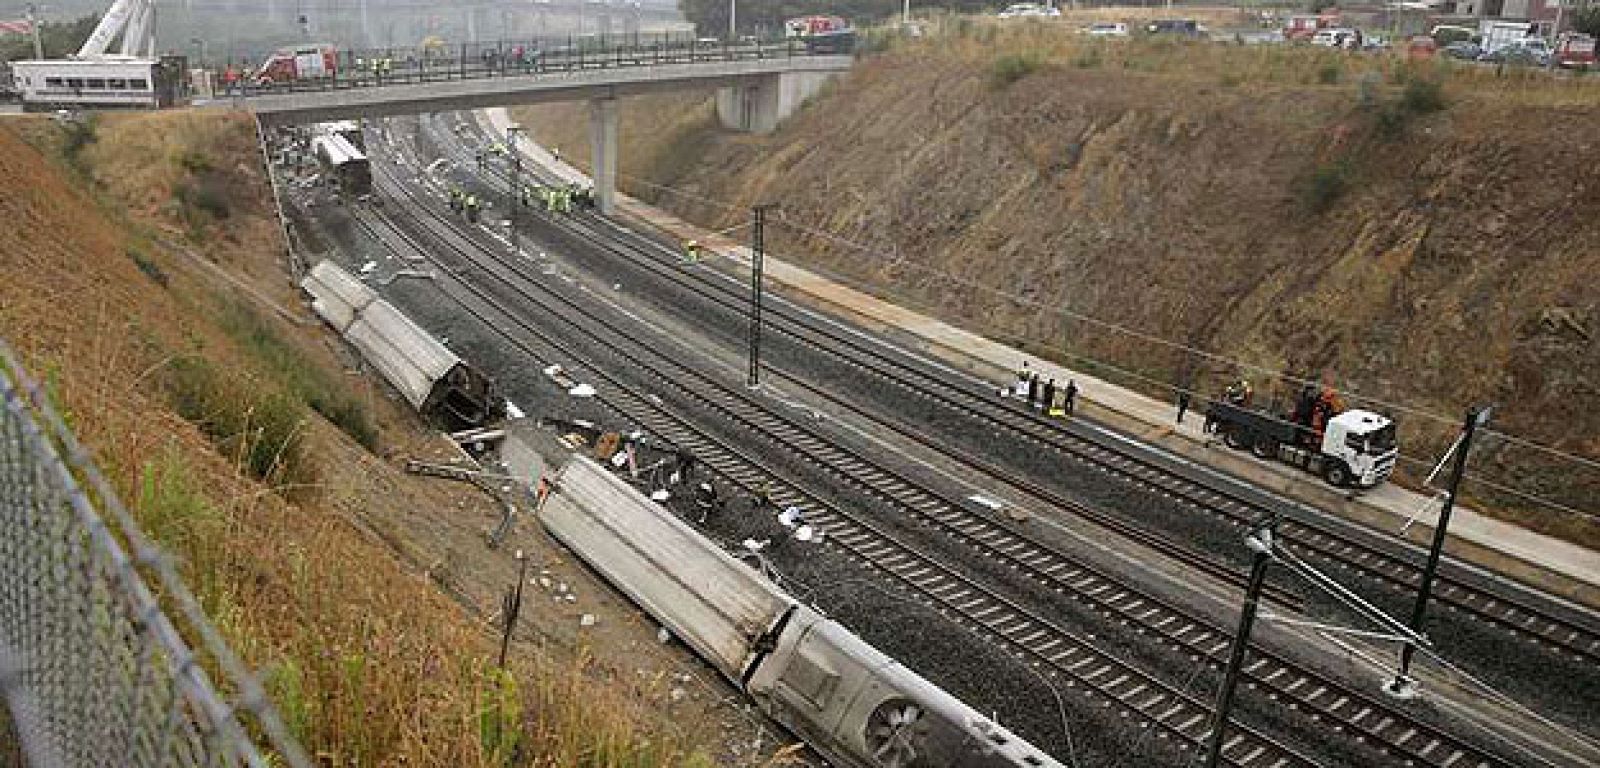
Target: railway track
{"type": "Point", "coordinates": [1176, 715]}
{"type": "Point", "coordinates": [1516, 614]}
{"type": "Point", "coordinates": [1366, 719]}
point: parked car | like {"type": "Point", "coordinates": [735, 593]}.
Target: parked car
{"type": "Point", "coordinates": [1026, 10]}
{"type": "Point", "coordinates": [1106, 29]}
{"type": "Point", "coordinates": [1185, 27]}
{"type": "Point", "coordinates": [1421, 47]}
{"type": "Point", "coordinates": [1466, 50]}
{"type": "Point", "coordinates": [1575, 50]}
{"type": "Point", "coordinates": [1337, 37]}
{"type": "Point", "coordinates": [1519, 55]}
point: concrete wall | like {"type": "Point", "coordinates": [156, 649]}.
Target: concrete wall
{"type": "Point", "coordinates": [758, 106]}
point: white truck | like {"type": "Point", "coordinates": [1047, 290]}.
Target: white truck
{"type": "Point", "coordinates": [1497, 35]}
{"type": "Point", "coordinates": [1345, 447]}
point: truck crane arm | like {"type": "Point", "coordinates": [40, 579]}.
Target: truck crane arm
{"type": "Point", "coordinates": [114, 22]}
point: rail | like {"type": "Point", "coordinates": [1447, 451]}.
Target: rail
{"type": "Point", "coordinates": [95, 669]}
{"type": "Point", "coordinates": [376, 68]}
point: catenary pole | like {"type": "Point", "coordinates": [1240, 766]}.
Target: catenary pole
{"type": "Point", "coordinates": [33, 26]}
{"type": "Point", "coordinates": [1260, 541]}
{"type": "Point", "coordinates": [1402, 685]}
{"type": "Point", "coordinates": [757, 266]}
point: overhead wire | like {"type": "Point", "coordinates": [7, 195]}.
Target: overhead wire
{"type": "Point", "coordinates": [899, 259]}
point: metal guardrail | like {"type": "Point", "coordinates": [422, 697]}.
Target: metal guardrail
{"type": "Point", "coordinates": [476, 61]}
{"type": "Point", "coordinates": [95, 669]}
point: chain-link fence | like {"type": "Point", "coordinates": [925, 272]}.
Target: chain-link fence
{"type": "Point", "coordinates": [94, 669]}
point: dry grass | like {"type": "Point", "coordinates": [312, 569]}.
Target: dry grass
{"type": "Point", "coordinates": [369, 662]}
{"type": "Point", "coordinates": [1203, 64]}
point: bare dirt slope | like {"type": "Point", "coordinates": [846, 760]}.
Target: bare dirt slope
{"type": "Point", "coordinates": [1307, 213]}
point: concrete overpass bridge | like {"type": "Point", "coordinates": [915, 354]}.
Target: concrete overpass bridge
{"type": "Point", "coordinates": [759, 84]}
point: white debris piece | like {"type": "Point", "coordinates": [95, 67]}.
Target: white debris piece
{"type": "Point", "coordinates": [661, 496]}
{"type": "Point", "coordinates": [588, 620]}
{"type": "Point", "coordinates": [677, 694]}
{"type": "Point", "coordinates": [368, 267]}
{"type": "Point", "coordinates": [995, 504]}
{"type": "Point", "coordinates": [513, 411]}
{"type": "Point", "coordinates": [582, 390]}
{"type": "Point", "coordinates": [663, 636]}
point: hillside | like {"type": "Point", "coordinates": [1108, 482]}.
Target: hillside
{"type": "Point", "coordinates": [145, 283]}
{"type": "Point", "coordinates": [1419, 235]}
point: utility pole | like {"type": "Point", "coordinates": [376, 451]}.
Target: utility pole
{"type": "Point", "coordinates": [33, 26]}
{"type": "Point", "coordinates": [1261, 541]}
{"type": "Point", "coordinates": [1402, 686]}
{"type": "Point", "coordinates": [905, 14]}
{"type": "Point", "coordinates": [733, 20]}
{"type": "Point", "coordinates": [511, 607]}
{"type": "Point", "coordinates": [757, 258]}
{"type": "Point", "coordinates": [516, 180]}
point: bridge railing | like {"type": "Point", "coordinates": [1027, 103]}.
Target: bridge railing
{"type": "Point", "coordinates": [509, 58]}
{"type": "Point", "coordinates": [96, 662]}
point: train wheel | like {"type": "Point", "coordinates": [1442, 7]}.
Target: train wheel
{"type": "Point", "coordinates": [1236, 438]}
{"type": "Point", "coordinates": [1265, 448]}
{"type": "Point", "coordinates": [895, 735]}
{"type": "Point", "coordinates": [1337, 474]}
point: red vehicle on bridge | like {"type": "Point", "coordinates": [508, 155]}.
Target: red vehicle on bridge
{"type": "Point", "coordinates": [822, 34]}
{"type": "Point", "coordinates": [310, 62]}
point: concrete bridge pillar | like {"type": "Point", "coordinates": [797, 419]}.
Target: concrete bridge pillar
{"type": "Point", "coordinates": [603, 151]}
{"type": "Point", "coordinates": [759, 104]}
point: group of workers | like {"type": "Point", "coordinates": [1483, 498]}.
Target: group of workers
{"type": "Point", "coordinates": [556, 199]}
{"type": "Point", "coordinates": [1043, 394]}
{"type": "Point", "coordinates": [463, 202]}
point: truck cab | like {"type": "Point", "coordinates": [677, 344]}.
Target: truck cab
{"type": "Point", "coordinates": [1365, 442]}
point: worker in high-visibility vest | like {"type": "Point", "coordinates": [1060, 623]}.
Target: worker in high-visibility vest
{"type": "Point", "coordinates": [691, 251]}
{"type": "Point", "coordinates": [472, 208]}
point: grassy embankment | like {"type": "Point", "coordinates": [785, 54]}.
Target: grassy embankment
{"type": "Point", "coordinates": [1418, 231]}
{"type": "Point", "coordinates": [224, 430]}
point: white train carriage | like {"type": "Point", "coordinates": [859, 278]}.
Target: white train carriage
{"type": "Point", "coordinates": [850, 702]}
{"type": "Point", "coordinates": [344, 162]}
{"type": "Point", "coordinates": [112, 82]}
{"type": "Point", "coordinates": [426, 373]}
{"type": "Point", "coordinates": [719, 607]}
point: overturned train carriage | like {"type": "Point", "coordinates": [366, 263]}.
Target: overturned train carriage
{"type": "Point", "coordinates": [850, 702]}
{"type": "Point", "coordinates": [426, 373]}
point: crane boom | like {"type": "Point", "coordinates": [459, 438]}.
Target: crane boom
{"type": "Point", "coordinates": [117, 20]}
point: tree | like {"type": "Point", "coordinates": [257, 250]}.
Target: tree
{"type": "Point", "coordinates": [59, 39]}
{"type": "Point", "coordinates": [1587, 20]}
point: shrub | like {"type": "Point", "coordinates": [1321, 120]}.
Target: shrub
{"type": "Point", "coordinates": [150, 269]}
{"type": "Point", "coordinates": [263, 432]}
{"type": "Point", "coordinates": [1011, 67]}
{"type": "Point", "coordinates": [309, 382]}
{"type": "Point", "coordinates": [1326, 185]}
{"type": "Point", "coordinates": [1422, 96]}
{"type": "Point", "coordinates": [1329, 73]}
{"type": "Point", "coordinates": [208, 195]}
{"type": "Point", "coordinates": [1391, 120]}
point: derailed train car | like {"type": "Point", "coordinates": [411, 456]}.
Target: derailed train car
{"type": "Point", "coordinates": [431, 378]}
{"type": "Point", "coordinates": [850, 702]}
